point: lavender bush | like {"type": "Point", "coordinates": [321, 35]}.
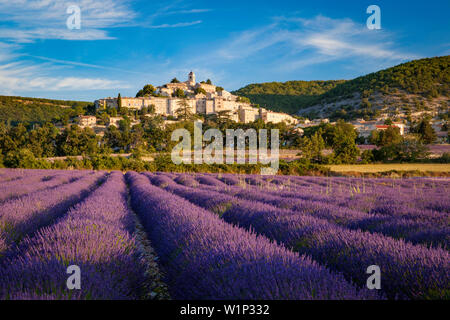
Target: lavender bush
{"type": "Point", "coordinates": [21, 216]}
{"type": "Point", "coordinates": [409, 271]}
{"type": "Point", "coordinates": [94, 235]}
{"type": "Point", "coordinates": [206, 258]}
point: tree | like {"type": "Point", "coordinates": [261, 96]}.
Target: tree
{"type": "Point", "coordinates": [345, 150]}
{"type": "Point", "coordinates": [243, 99]}
{"type": "Point", "coordinates": [174, 80]}
{"type": "Point", "coordinates": [179, 93]}
{"type": "Point", "coordinates": [406, 150]}
{"type": "Point", "coordinates": [342, 138]}
{"type": "Point", "coordinates": [19, 135]}
{"type": "Point", "coordinates": [184, 111]}
{"type": "Point", "coordinates": [154, 133]}
{"type": "Point", "coordinates": [65, 119]}
{"type": "Point", "coordinates": [113, 112]}
{"type": "Point", "coordinates": [200, 90]}
{"type": "Point", "coordinates": [22, 158]}
{"type": "Point", "coordinates": [113, 138]}
{"type": "Point", "coordinates": [411, 150]}
{"type": "Point", "coordinates": [119, 103]}
{"type": "Point", "coordinates": [42, 141]}
{"type": "Point", "coordinates": [365, 104]}
{"type": "Point", "coordinates": [386, 137]}
{"type": "Point", "coordinates": [148, 90]}
{"type": "Point", "coordinates": [208, 81]}
{"type": "Point", "coordinates": [312, 147]}
{"type": "Point", "coordinates": [78, 111]}
{"type": "Point", "coordinates": [332, 134]}
{"type": "Point", "coordinates": [426, 132]}
{"type": "Point", "coordinates": [76, 141]}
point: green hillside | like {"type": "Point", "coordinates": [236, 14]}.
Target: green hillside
{"type": "Point", "coordinates": [35, 110]}
{"type": "Point", "coordinates": [287, 96]}
{"type": "Point", "coordinates": [429, 78]}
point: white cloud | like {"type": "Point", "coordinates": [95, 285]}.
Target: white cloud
{"type": "Point", "coordinates": [20, 76]}
{"type": "Point", "coordinates": [291, 43]}
{"type": "Point", "coordinates": [27, 36]}
{"type": "Point", "coordinates": [173, 8]}
{"type": "Point", "coordinates": [190, 11]}
{"type": "Point", "coordinates": [94, 13]}
{"type": "Point", "coordinates": [344, 38]}
{"type": "Point", "coordinates": [176, 25]}
{"type": "Point", "coordinates": [45, 19]}
{"type": "Point", "coordinates": [29, 20]}
{"type": "Point", "coordinates": [81, 64]}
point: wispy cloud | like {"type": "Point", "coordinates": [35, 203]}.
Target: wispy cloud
{"type": "Point", "coordinates": [81, 64]}
{"type": "Point", "coordinates": [30, 35]}
{"type": "Point", "coordinates": [289, 43]}
{"type": "Point", "coordinates": [176, 25]}
{"type": "Point", "coordinates": [20, 76]}
{"type": "Point", "coordinates": [190, 11]}
{"type": "Point", "coordinates": [25, 21]}
{"type": "Point", "coordinates": [45, 19]}
{"type": "Point", "coordinates": [95, 13]}
{"type": "Point", "coordinates": [173, 8]}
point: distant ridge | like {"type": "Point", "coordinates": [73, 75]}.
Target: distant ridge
{"type": "Point", "coordinates": [422, 79]}
{"type": "Point", "coordinates": [15, 109]}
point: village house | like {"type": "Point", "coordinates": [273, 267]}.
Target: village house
{"type": "Point", "coordinates": [114, 121]}
{"type": "Point", "coordinates": [87, 121]}
{"type": "Point", "coordinates": [202, 98]}
{"type": "Point", "coordinates": [383, 127]}
{"type": "Point", "coordinates": [276, 117]}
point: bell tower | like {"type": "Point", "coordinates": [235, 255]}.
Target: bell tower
{"type": "Point", "coordinates": [191, 78]}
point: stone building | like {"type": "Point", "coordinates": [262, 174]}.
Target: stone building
{"type": "Point", "coordinates": [114, 121]}
{"type": "Point", "coordinates": [106, 103]}
{"type": "Point", "coordinates": [215, 100]}
{"type": "Point", "coordinates": [248, 114]}
{"type": "Point", "coordinates": [276, 117]}
{"type": "Point", "coordinates": [383, 127]}
{"type": "Point", "coordinates": [87, 121]}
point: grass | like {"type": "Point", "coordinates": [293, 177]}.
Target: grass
{"type": "Point", "coordinates": [374, 168]}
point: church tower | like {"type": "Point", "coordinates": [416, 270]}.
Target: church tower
{"type": "Point", "coordinates": [191, 78]}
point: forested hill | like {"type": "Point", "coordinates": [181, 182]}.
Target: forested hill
{"type": "Point", "coordinates": [429, 78]}
{"type": "Point", "coordinates": [287, 96]}
{"type": "Point", "coordinates": [36, 110]}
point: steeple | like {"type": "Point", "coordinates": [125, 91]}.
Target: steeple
{"type": "Point", "coordinates": [191, 78]}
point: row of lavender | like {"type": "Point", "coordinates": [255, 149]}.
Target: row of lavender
{"type": "Point", "coordinates": [87, 222]}
{"type": "Point", "coordinates": [409, 271]}
{"type": "Point", "coordinates": [205, 257]}
{"type": "Point", "coordinates": [84, 221]}
{"type": "Point", "coordinates": [371, 195]}
{"type": "Point", "coordinates": [417, 226]}
{"type": "Point", "coordinates": [403, 216]}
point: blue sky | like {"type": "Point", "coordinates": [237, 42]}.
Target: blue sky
{"type": "Point", "coordinates": [123, 45]}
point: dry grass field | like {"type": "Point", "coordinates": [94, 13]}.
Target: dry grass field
{"type": "Point", "coordinates": [374, 168]}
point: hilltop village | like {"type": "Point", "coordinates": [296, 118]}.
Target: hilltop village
{"type": "Point", "coordinates": [199, 98]}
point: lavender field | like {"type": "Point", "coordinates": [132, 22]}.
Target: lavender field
{"type": "Point", "coordinates": [221, 236]}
